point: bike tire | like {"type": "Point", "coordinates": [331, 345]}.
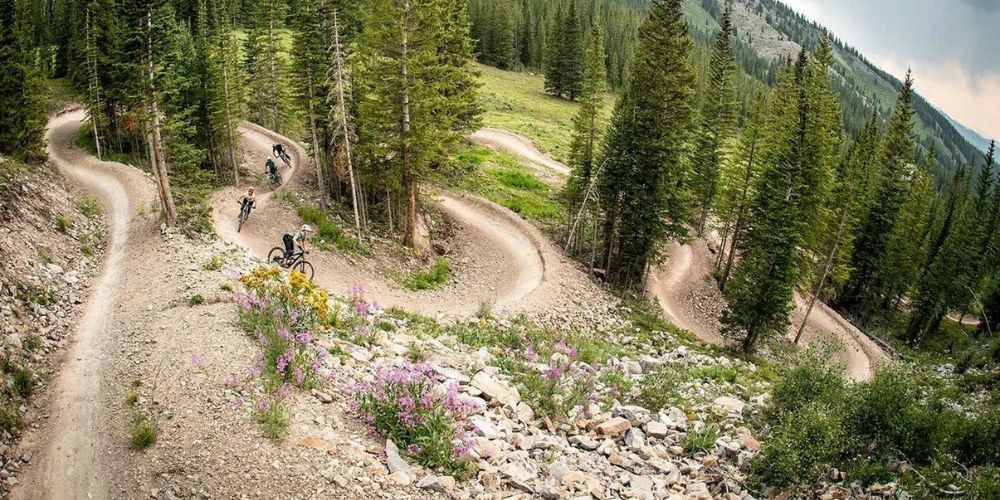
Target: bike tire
{"type": "Point", "coordinates": [305, 268]}
{"type": "Point", "coordinates": [243, 218]}
{"type": "Point", "coordinates": [275, 256]}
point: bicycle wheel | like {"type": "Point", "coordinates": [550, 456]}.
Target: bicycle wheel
{"type": "Point", "coordinates": [275, 256]}
{"type": "Point", "coordinates": [274, 181]}
{"type": "Point", "coordinates": [305, 268]}
{"type": "Point", "coordinates": [243, 218]}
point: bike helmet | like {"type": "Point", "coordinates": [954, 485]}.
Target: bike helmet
{"type": "Point", "coordinates": [250, 190]}
{"type": "Point", "coordinates": [306, 228]}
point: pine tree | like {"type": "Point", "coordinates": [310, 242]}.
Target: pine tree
{"type": "Point", "coordinates": [803, 140]}
{"type": "Point", "coordinates": [644, 184]}
{"type": "Point", "coordinates": [587, 127]}
{"type": "Point", "coordinates": [227, 104]}
{"type": "Point", "coordinates": [738, 183]}
{"type": "Point", "coordinates": [895, 166]}
{"type": "Point", "coordinates": [571, 53]}
{"type": "Point", "coordinates": [415, 100]}
{"type": "Point", "coordinates": [22, 114]}
{"type": "Point", "coordinates": [340, 117]}
{"type": "Point", "coordinates": [949, 283]}
{"type": "Point", "coordinates": [265, 66]}
{"type": "Point", "coordinates": [716, 121]}
{"type": "Point", "coordinates": [310, 65]}
{"type": "Point", "coordinates": [554, 65]}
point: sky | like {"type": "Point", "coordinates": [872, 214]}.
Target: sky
{"type": "Point", "coordinates": [953, 47]}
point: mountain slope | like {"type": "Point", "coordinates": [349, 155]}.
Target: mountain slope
{"type": "Point", "coordinates": [774, 31]}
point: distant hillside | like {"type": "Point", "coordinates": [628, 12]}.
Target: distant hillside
{"type": "Point", "coordinates": [975, 138]}
{"type": "Point", "coordinates": [774, 31]}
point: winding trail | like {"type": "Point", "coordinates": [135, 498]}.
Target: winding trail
{"type": "Point", "coordinates": [69, 461]}
{"type": "Point", "coordinates": [503, 261]}
{"type": "Point", "coordinates": [517, 145]}
{"type": "Point", "coordinates": [683, 284]}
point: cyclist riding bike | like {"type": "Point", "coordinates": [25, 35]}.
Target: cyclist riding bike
{"type": "Point", "coordinates": [295, 238]}
{"type": "Point", "coordinates": [279, 151]}
{"type": "Point", "coordinates": [248, 201]}
{"type": "Point", "coordinates": [270, 168]}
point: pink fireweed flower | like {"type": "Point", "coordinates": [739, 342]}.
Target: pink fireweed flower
{"type": "Point", "coordinates": [530, 355]}
{"type": "Point", "coordinates": [195, 360]}
{"type": "Point", "coordinates": [303, 337]}
{"type": "Point", "coordinates": [264, 404]}
{"type": "Point", "coordinates": [284, 333]}
{"type": "Point", "coordinates": [300, 376]}
{"type": "Point", "coordinates": [293, 317]}
{"type": "Point", "coordinates": [413, 449]}
{"type": "Point", "coordinates": [284, 391]}
{"type": "Point", "coordinates": [238, 401]}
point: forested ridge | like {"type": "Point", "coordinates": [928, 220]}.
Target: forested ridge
{"type": "Point", "coordinates": [807, 184]}
{"type": "Point", "coordinates": [511, 34]}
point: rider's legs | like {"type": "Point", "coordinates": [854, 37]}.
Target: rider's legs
{"type": "Point", "coordinates": [289, 247]}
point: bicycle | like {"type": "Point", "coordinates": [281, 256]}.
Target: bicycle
{"type": "Point", "coordinates": [285, 158]}
{"type": "Point", "coordinates": [244, 215]}
{"type": "Point", "coordinates": [274, 180]}
{"type": "Point", "coordinates": [277, 257]}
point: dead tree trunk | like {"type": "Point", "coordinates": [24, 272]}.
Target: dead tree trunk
{"type": "Point", "coordinates": [341, 111]}
{"type": "Point", "coordinates": [156, 145]}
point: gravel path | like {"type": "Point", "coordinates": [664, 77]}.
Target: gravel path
{"type": "Point", "coordinates": [69, 455]}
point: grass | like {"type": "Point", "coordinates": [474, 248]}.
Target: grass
{"type": "Point", "coordinates": [504, 180]}
{"type": "Point", "coordinates": [143, 432]}
{"type": "Point", "coordinates": [329, 234]}
{"type": "Point", "coordinates": [273, 420]}
{"type": "Point", "coordinates": [517, 102]}
{"type": "Point", "coordinates": [196, 300]}
{"type": "Point", "coordinates": [429, 279]}
{"type": "Point", "coordinates": [702, 440]}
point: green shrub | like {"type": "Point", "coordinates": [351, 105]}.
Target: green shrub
{"type": "Point", "coordinates": [429, 279]}
{"type": "Point", "coordinates": [88, 206]}
{"type": "Point", "coordinates": [272, 416]}
{"type": "Point", "coordinates": [63, 224]}
{"type": "Point", "coordinates": [214, 264]}
{"type": "Point", "coordinates": [23, 383]}
{"type": "Point", "coordinates": [196, 300]}
{"type": "Point", "coordinates": [10, 414]}
{"type": "Point", "coordinates": [658, 390]}
{"type": "Point", "coordinates": [801, 446]}
{"type": "Point", "coordinates": [702, 440]}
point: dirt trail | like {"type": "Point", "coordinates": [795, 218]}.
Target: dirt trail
{"type": "Point", "coordinates": [68, 463]}
{"type": "Point", "coordinates": [517, 145]}
{"type": "Point", "coordinates": [686, 291]}
{"type": "Point", "coordinates": [500, 264]}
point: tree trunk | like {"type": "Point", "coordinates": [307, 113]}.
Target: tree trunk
{"type": "Point", "coordinates": [826, 272]}
{"type": "Point", "coordinates": [272, 50]}
{"type": "Point", "coordinates": [229, 118]}
{"type": "Point", "coordinates": [409, 180]}
{"type": "Point", "coordinates": [160, 165]}
{"type": "Point", "coordinates": [320, 178]}
{"type": "Point", "coordinates": [344, 125]}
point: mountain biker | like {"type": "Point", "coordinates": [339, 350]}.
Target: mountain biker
{"type": "Point", "coordinates": [248, 201]}
{"type": "Point", "coordinates": [291, 238]}
{"type": "Point", "coordinates": [279, 151]}
{"type": "Point", "coordinates": [270, 168]}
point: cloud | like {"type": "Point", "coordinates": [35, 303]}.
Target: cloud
{"type": "Point", "coordinates": [951, 46]}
